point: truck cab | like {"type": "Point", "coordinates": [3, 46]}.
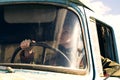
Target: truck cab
{"type": "Point", "coordinates": [47, 22]}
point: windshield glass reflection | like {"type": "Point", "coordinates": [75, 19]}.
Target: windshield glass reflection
{"type": "Point", "coordinates": [57, 36]}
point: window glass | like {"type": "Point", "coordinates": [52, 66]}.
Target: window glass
{"type": "Point", "coordinates": [106, 41]}
{"type": "Point", "coordinates": [56, 30]}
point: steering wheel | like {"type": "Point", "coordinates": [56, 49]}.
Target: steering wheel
{"type": "Point", "coordinates": [44, 45]}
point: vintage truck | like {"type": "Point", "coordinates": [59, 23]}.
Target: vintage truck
{"type": "Point", "coordinates": [43, 21]}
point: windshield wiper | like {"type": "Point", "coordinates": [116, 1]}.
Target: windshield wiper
{"type": "Point", "coordinates": [8, 69]}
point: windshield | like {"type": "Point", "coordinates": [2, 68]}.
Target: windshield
{"type": "Point", "coordinates": [55, 30]}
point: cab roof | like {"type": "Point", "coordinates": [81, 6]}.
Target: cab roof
{"type": "Point", "coordinates": [67, 2]}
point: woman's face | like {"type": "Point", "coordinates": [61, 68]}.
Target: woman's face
{"type": "Point", "coordinates": [65, 36]}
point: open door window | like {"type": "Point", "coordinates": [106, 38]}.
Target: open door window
{"type": "Point", "coordinates": [106, 41]}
